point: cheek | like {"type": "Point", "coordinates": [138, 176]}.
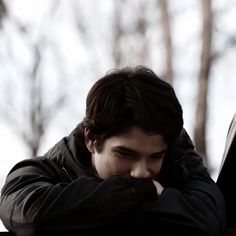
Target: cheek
{"type": "Point", "coordinates": [156, 167]}
{"type": "Point", "coordinates": [103, 167]}
{"type": "Point", "coordinates": [118, 166]}
{"type": "Point", "coordinates": [108, 166]}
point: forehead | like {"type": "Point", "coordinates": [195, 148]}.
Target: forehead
{"type": "Point", "coordinates": [137, 139]}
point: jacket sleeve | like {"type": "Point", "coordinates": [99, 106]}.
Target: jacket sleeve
{"type": "Point", "coordinates": [191, 202]}
{"type": "Point", "coordinates": [33, 198]}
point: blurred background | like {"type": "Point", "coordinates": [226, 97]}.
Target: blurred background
{"type": "Point", "coordinates": [52, 51]}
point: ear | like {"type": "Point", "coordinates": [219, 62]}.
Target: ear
{"type": "Point", "coordinates": [89, 141]}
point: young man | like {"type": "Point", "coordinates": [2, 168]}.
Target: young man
{"type": "Point", "coordinates": [128, 164]}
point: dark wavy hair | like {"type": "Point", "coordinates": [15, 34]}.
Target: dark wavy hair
{"type": "Point", "coordinates": [132, 97]}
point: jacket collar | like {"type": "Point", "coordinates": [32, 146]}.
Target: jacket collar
{"type": "Point", "coordinates": [72, 154]}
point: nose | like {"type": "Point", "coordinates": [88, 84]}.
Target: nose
{"type": "Point", "coordinates": [140, 170]}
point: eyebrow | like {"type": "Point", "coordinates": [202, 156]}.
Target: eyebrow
{"type": "Point", "coordinates": [131, 151]}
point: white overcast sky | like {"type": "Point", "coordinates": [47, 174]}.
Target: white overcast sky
{"type": "Point", "coordinates": [222, 96]}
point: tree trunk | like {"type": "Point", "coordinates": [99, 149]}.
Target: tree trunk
{"type": "Point", "coordinates": [143, 53]}
{"type": "Point", "coordinates": [117, 34]}
{"type": "Point", "coordinates": [3, 11]}
{"type": "Point", "coordinates": [204, 73]}
{"type": "Point", "coordinates": [167, 39]}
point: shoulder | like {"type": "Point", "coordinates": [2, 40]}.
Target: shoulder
{"type": "Point", "coordinates": [37, 167]}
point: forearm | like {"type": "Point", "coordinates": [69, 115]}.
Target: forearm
{"type": "Point", "coordinates": [195, 206]}
{"type": "Point", "coordinates": [85, 202]}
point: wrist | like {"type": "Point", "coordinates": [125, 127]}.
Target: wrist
{"type": "Point", "coordinates": [158, 186]}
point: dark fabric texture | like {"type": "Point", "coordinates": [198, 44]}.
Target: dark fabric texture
{"type": "Point", "coordinates": [59, 193]}
{"type": "Point", "coordinates": [227, 175]}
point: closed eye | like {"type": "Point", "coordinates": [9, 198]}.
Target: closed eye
{"type": "Point", "coordinates": [158, 155]}
{"type": "Point", "coordinates": [125, 154]}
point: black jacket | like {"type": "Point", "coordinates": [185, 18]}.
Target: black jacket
{"type": "Point", "coordinates": [58, 192]}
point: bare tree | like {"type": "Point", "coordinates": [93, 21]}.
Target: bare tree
{"type": "Point", "coordinates": [130, 41]}
{"type": "Point", "coordinates": [30, 122]}
{"type": "Point", "coordinates": [167, 39]}
{"type": "Point", "coordinates": [39, 114]}
{"type": "Point", "coordinates": [203, 81]}
{"type": "Point", "coordinates": [36, 125]}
